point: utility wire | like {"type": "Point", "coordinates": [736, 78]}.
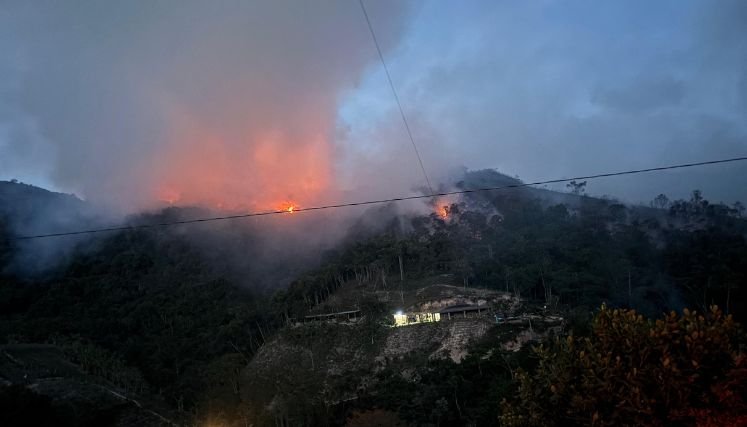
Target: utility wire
{"type": "Point", "coordinates": [396, 97]}
{"type": "Point", "coordinates": [374, 202]}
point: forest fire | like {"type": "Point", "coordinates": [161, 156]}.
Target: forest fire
{"type": "Point", "coordinates": [245, 170]}
{"type": "Point", "coordinates": [289, 207]}
{"type": "Point", "coordinates": [442, 206]}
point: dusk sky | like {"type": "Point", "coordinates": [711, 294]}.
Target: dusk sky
{"type": "Point", "coordinates": [238, 103]}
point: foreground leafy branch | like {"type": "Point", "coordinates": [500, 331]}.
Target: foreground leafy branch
{"type": "Point", "coordinates": [680, 370]}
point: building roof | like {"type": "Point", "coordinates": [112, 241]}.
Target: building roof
{"type": "Point", "coordinates": [339, 313]}
{"type": "Point", "coordinates": [462, 307]}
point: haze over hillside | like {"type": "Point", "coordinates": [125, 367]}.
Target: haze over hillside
{"type": "Point", "coordinates": [356, 213]}
{"type": "Point", "coordinates": [198, 323]}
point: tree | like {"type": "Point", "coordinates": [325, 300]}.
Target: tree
{"type": "Point", "coordinates": [698, 204]}
{"type": "Point", "coordinates": [680, 370]}
{"type": "Point", "coordinates": [738, 209]}
{"type": "Point", "coordinates": [577, 188]}
{"type": "Point", "coordinates": [660, 202]}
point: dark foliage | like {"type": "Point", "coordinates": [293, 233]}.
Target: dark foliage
{"type": "Point", "coordinates": [679, 370]}
{"type": "Point", "coordinates": [20, 407]}
{"type": "Point", "coordinates": [149, 312]}
{"type": "Point", "coordinates": [149, 300]}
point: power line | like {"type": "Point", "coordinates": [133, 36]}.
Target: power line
{"type": "Point", "coordinates": [373, 202]}
{"type": "Point", "coordinates": [396, 97]}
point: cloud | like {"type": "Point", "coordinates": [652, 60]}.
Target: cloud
{"type": "Point", "coordinates": [558, 89]}
{"type": "Point", "coordinates": [645, 94]}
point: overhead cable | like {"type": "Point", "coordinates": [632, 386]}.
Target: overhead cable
{"type": "Point", "coordinates": [380, 201]}
{"type": "Point", "coordinates": [396, 97]}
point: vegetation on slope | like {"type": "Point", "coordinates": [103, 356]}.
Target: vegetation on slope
{"type": "Point", "coordinates": [150, 303]}
{"type": "Point", "coordinates": [680, 370]}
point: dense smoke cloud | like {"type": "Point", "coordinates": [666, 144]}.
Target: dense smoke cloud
{"type": "Point", "coordinates": [230, 104]}
{"type": "Point", "coordinates": [254, 104]}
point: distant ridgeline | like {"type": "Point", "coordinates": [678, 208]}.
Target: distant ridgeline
{"type": "Point", "coordinates": [21, 202]}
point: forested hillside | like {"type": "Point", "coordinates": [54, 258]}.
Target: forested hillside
{"type": "Point", "coordinates": [578, 253]}
{"type": "Point", "coordinates": [150, 313]}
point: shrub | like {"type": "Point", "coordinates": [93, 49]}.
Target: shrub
{"type": "Point", "coordinates": [680, 370]}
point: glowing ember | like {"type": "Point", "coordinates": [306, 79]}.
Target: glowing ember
{"type": "Point", "coordinates": [444, 207]}
{"type": "Point", "coordinates": [289, 207]}
{"type": "Point", "coordinates": [169, 196]}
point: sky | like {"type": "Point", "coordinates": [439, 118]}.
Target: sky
{"type": "Point", "coordinates": [257, 104]}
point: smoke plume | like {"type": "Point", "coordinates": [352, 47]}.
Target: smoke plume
{"type": "Point", "coordinates": [232, 105]}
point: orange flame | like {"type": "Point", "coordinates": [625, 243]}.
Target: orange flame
{"type": "Point", "coordinates": [442, 207]}
{"type": "Point", "coordinates": [289, 207]}
{"type": "Point", "coordinates": [245, 168]}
